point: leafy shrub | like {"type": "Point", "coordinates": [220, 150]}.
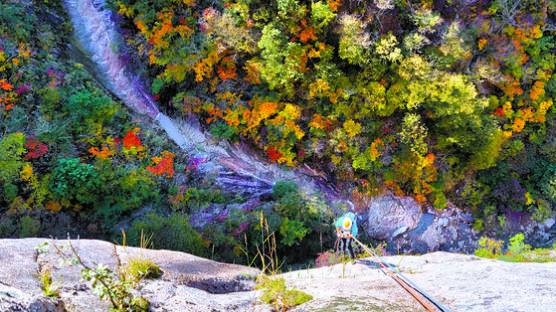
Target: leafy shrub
{"type": "Point", "coordinates": [7, 227]}
{"type": "Point", "coordinates": [290, 204]}
{"type": "Point", "coordinates": [29, 227]}
{"type": "Point", "coordinates": [549, 188]}
{"type": "Point", "coordinates": [292, 230]}
{"type": "Point", "coordinates": [193, 197]}
{"type": "Point", "coordinates": [542, 211]}
{"type": "Point", "coordinates": [73, 180]}
{"type": "Point", "coordinates": [87, 110]}
{"type": "Point", "coordinates": [15, 18]}
{"type": "Point", "coordinates": [542, 255]}
{"type": "Point", "coordinates": [281, 188]}
{"type": "Point", "coordinates": [115, 287]}
{"type": "Point", "coordinates": [517, 247]}
{"type": "Point", "coordinates": [173, 232]}
{"type": "Point", "coordinates": [518, 251]}
{"type": "Point", "coordinates": [11, 150]}
{"type": "Point", "coordinates": [276, 293]}
{"type": "Point", "coordinates": [490, 248]}
{"type": "Point", "coordinates": [50, 99]}
{"type": "Point", "coordinates": [73, 162]}
{"type": "Point", "coordinates": [133, 188]}
{"type": "Point", "coordinates": [299, 224]}
{"type": "Point", "coordinates": [139, 268]}
{"type": "Point", "coordinates": [511, 193]}
{"type": "Point", "coordinates": [109, 215]}
{"type": "Point", "coordinates": [49, 288]}
{"type": "Point", "coordinates": [224, 131]}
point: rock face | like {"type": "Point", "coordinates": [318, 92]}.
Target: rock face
{"type": "Point", "coordinates": [391, 216]}
{"type": "Point", "coordinates": [403, 225]}
{"type": "Point", "coordinates": [189, 283]}
{"type": "Point", "coordinates": [541, 234]}
{"type": "Point", "coordinates": [459, 282]}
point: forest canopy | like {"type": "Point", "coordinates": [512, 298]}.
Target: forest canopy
{"type": "Point", "coordinates": [448, 101]}
{"type": "Point", "coordinates": [441, 100]}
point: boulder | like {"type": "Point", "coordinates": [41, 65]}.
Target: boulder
{"type": "Point", "coordinates": [548, 223]}
{"type": "Point", "coordinates": [389, 215]}
{"type": "Point", "coordinates": [406, 227]}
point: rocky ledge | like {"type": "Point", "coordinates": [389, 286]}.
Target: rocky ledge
{"type": "Point", "coordinates": [189, 283]}
{"type": "Point", "coordinates": [459, 282]}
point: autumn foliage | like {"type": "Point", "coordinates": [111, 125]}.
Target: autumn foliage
{"type": "Point", "coordinates": [163, 165]}
{"type": "Point", "coordinates": [330, 83]}
{"type": "Point", "coordinates": [451, 102]}
{"type": "Point", "coordinates": [35, 148]}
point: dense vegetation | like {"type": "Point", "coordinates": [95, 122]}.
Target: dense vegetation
{"type": "Point", "coordinates": [74, 160]}
{"type": "Point", "coordinates": [447, 101]}
{"type": "Point", "coordinates": [71, 158]}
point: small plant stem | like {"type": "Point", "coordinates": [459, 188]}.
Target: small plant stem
{"type": "Point", "coordinates": [110, 294]}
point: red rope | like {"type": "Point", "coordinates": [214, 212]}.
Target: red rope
{"type": "Point", "coordinates": [336, 254]}
{"type": "Point", "coordinates": [397, 279]}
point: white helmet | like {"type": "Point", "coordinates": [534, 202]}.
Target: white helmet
{"type": "Point", "coordinates": [346, 224]}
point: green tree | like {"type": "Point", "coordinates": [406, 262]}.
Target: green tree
{"type": "Point", "coordinates": [11, 149]}
{"type": "Point", "coordinates": [73, 180]}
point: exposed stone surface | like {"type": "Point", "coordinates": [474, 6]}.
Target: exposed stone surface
{"type": "Point", "coordinates": [184, 269]}
{"type": "Point", "coordinates": [13, 299]}
{"type": "Point", "coordinates": [165, 296]}
{"type": "Point", "coordinates": [185, 285]}
{"type": "Point", "coordinates": [459, 282]}
{"type": "Point", "coordinates": [388, 215]}
{"type": "Point", "coordinates": [406, 228]}
{"type": "Point", "coordinates": [538, 234]}
{"type": "Point", "coordinates": [23, 259]}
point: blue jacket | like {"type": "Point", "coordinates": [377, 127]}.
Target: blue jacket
{"type": "Point", "coordinates": [350, 216]}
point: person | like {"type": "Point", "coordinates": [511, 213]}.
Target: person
{"type": "Point", "coordinates": [346, 229]}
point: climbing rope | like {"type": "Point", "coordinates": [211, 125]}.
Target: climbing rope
{"type": "Point", "coordinates": [403, 281]}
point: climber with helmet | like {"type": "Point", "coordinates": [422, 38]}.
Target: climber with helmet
{"type": "Point", "coordinates": [346, 229]}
